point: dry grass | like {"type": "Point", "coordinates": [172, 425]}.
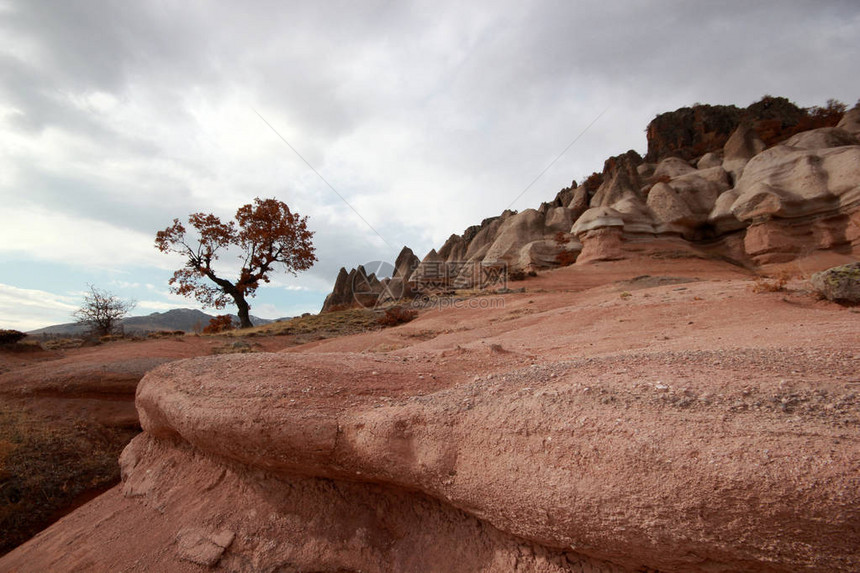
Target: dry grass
{"type": "Point", "coordinates": [771, 284]}
{"type": "Point", "coordinates": [46, 466]}
{"type": "Point", "coordinates": [397, 315]}
{"type": "Point", "coordinates": [323, 325]}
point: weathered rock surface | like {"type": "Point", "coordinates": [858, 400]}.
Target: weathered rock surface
{"type": "Point", "coordinates": [493, 467]}
{"type": "Point", "coordinates": [822, 138]}
{"type": "Point", "coordinates": [850, 122]}
{"type": "Point", "coordinates": [743, 145]}
{"type": "Point", "coordinates": [514, 233]}
{"type": "Point", "coordinates": [840, 284]}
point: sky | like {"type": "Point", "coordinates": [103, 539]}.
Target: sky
{"type": "Point", "coordinates": [422, 117]}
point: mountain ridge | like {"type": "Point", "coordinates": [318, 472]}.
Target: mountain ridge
{"type": "Point", "coordinates": [185, 319]}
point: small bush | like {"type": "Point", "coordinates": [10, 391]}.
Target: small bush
{"type": "Point", "coordinates": [9, 337]}
{"type": "Point", "coordinates": [397, 315]}
{"type": "Point", "coordinates": [221, 323]}
{"type": "Point", "coordinates": [165, 333]}
{"type": "Point", "coordinates": [592, 182]}
{"type": "Point", "coordinates": [763, 284]}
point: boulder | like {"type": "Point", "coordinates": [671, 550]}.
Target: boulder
{"type": "Point", "coordinates": [721, 217]}
{"type": "Point", "coordinates": [513, 234]}
{"type": "Point", "coordinates": [620, 180]}
{"type": "Point", "coordinates": [787, 182]}
{"type": "Point", "coordinates": [645, 170]}
{"type": "Point", "coordinates": [850, 122]}
{"type": "Point", "coordinates": [578, 203]}
{"type": "Point", "coordinates": [710, 159]}
{"type": "Point", "coordinates": [602, 244]}
{"type": "Point", "coordinates": [822, 138]}
{"type": "Point", "coordinates": [537, 255]}
{"type": "Point", "coordinates": [558, 219]}
{"type": "Point", "coordinates": [597, 218]}
{"type": "Point", "coordinates": [484, 238]}
{"type": "Point", "coordinates": [684, 204]}
{"type": "Point", "coordinates": [742, 146]}
{"type": "Point", "coordinates": [619, 195]}
{"type": "Point", "coordinates": [672, 167]}
{"type": "Point", "coordinates": [839, 284]}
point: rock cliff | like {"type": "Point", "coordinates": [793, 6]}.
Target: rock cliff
{"type": "Point", "coordinates": [767, 184]}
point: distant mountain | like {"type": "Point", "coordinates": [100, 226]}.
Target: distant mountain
{"type": "Point", "coordinates": [184, 319]}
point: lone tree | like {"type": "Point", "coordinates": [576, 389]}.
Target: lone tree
{"type": "Point", "coordinates": [102, 311]}
{"type": "Point", "coordinates": [269, 236]}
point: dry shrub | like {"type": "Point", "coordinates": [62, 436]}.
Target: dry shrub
{"type": "Point", "coordinates": [165, 333]}
{"type": "Point", "coordinates": [221, 323]}
{"type": "Point", "coordinates": [516, 275]}
{"type": "Point", "coordinates": [765, 284]}
{"type": "Point", "coordinates": [592, 182]}
{"type": "Point", "coordinates": [397, 315]}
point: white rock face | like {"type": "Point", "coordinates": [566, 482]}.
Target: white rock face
{"type": "Point", "coordinates": [709, 160]}
{"type": "Point", "coordinates": [558, 219]}
{"type": "Point", "coordinates": [822, 138]}
{"type": "Point", "coordinates": [685, 203]}
{"type": "Point", "coordinates": [672, 167]}
{"type": "Point", "coordinates": [850, 122]}
{"type": "Point", "coordinates": [743, 145]}
{"type": "Point", "coordinates": [597, 218]}
{"type": "Point", "coordinates": [515, 232]}
{"type": "Point", "coordinates": [788, 182]}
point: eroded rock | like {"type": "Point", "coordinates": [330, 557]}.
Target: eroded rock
{"type": "Point", "coordinates": [839, 284]}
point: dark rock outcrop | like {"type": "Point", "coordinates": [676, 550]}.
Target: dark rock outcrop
{"type": "Point", "coordinates": [691, 132]}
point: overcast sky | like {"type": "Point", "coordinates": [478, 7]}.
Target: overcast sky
{"type": "Point", "coordinates": [116, 117]}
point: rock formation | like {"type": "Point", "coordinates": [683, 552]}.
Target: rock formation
{"type": "Point", "coordinates": [839, 284]}
{"type": "Point", "coordinates": [755, 185]}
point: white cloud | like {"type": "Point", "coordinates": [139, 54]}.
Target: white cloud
{"type": "Point", "coordinates": [28, 309]}
{"type": "Point", "coordinates": [57, 237]}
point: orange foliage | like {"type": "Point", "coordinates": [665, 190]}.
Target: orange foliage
{"type": "Point", "coordinates": [397, 315]}
{"type": "Point", "coordinates": [220, 323]}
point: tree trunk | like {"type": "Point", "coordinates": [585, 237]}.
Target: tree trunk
{"type": "Point", "coordinates": [238, 297]}
{"type": "Point", "coordinates": [244, 311]}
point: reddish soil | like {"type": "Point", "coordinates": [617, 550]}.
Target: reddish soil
{"type": "Point", "coordinates": [638, 415]}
